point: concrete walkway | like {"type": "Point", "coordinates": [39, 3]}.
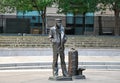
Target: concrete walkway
{"type": "Point", "coordinates": [40, 59]}
{"type": "Point", "coordinates": [38, 76]}
{"type": "Point", "coordinates": [12, 58]}
{"type": "Point", "coordinates": [42, 75]}
{"type": "Point", "coordinates": [48, 52]}
{"type": "Point", "coordinates": [28, 55]}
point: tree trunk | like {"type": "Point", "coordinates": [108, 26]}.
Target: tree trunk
{"type": "Point", "coordinates": [23, 14]}
{"type": "Point", "coordinates": [2, 24]}
{"type": "Point", "coordinates": [100, 25]}
{"type": "Point", "coordinates": [83, 23]}
{"type": "Point", "coordinates": [39, 25]}
{"type": "Point", "coordinates": [74, 23]}
{"type": "Point", "coordinates": [44, 21]}
{"type": "Point", "coordinates": [117, 28]}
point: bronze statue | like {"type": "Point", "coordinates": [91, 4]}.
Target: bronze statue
{"type": "Point", "coordinates": [58, 38]}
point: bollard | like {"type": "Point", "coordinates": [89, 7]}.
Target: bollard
{"type": "Point", "coordinates": [73, 70]}
{"type": "Point", "coordinates": [73, 62]}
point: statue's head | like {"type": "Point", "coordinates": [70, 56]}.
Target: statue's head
{"type": "Point", "coordinates": [58, 22]}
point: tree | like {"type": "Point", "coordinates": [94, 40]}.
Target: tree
{"type": "Point", "coordinates": [77, 7]}
{"type": "Point", "coordinates": [28, 5]}
{"type": "Point", "coordinates": [41, 5]}
{"type": "Point", "coordinates": [113, 5]}
{"type": "Point", "coordinates": [6, 7]}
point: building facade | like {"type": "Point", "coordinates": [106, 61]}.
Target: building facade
{"type": "Point", "coordinates": [98, 23]}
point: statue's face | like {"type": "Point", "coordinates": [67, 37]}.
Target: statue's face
{"type": "Point", "coordinates": [58, 24]}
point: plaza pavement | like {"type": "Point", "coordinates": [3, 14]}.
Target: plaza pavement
{"type": "Point", "coordinates": [28, 55]}
{"type": "Point", "coordinates": [40, 59]}
{"type": "Point", "coordinates": [12, 58]}
{"type": "Point", "coordinates": [41, 76]}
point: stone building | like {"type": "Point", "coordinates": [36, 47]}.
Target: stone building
{"type": "Point", "coordinates": [98, 23]}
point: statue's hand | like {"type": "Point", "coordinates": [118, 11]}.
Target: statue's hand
{"type": "Point", "coordinates": [60, 48]}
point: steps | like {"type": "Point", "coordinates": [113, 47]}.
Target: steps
{"type": "Point", "coordinates": [47, 65]}
{"type": "Point", "coordinates": [73, 41]}
{"type": "Point", "coordinates": [41, 58]}
{"type": "Point", "coordinates": [101, 65]}
{"type": "Point", "coordinates": [17, 43]}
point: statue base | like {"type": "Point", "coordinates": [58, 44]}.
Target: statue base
{"type": "Point", "coordinates": [79, 77]}
{"type": "Point", "coordinates": [60, 78]}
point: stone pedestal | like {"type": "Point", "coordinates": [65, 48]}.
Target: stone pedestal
{"type": "Point", "coordinates": [78, 77]}
{"type": "Point", "coordinates": [60, 78]}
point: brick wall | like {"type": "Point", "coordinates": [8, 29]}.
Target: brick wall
{"type": "Point", "coordinates": [73, 41]}
{"type": "Point", "coordinates": [107, 24]}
